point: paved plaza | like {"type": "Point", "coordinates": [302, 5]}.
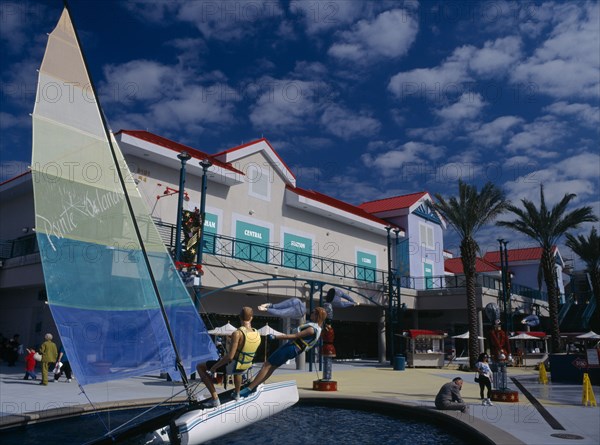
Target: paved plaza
{"type": "Point", "coordinates": [545, 414]}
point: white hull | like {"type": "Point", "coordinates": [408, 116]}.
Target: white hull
{"type": "Point", "coordinates": [201, 425]}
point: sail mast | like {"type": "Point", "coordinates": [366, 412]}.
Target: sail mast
{"type": "Point", "coordinates": [179, 364]}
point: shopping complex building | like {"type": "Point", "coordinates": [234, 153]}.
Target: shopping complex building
{"type": "Point", "coordinates": [267, 239]}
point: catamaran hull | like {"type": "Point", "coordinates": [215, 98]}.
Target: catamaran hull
{"type": "Point", "coordinates": [201, 425]}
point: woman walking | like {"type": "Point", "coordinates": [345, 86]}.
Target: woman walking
{"type": "Point", "coordinates": [485, 378]}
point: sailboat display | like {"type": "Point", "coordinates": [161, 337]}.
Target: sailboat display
{"type": "Point", "coordinates": [118, 302]}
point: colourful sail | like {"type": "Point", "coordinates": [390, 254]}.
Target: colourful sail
{"type": "Point", "coordinates": [104, 264]}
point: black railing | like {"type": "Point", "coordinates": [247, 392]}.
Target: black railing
{"type": "Point", "coordinates": [22, 246]}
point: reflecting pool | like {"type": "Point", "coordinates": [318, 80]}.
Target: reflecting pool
{"type": "Point", "coordinates": [300, 424]}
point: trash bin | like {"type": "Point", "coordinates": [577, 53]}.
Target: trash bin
{"type": "Point", "coordinates": [399, 363]}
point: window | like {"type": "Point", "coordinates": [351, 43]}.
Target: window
{"type": "Point", "coordinates": [251, 242]}
{"type": "Point", "coordinates": [259, 184]}
{"type": "Point", "coordinates": [366, 263]}
{"type": "Point", "coordinates": [426, 236]}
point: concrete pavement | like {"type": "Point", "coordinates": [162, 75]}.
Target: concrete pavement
{"type": "Point", "coordinates": [545, 414]}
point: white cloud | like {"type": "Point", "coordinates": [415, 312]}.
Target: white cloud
{"type": "Point", "coordinates": [434, 82]}
{"type": "Point", "coordinates": [229, 19]}
{"type": "Point", "coordinates": [323, 15]}
{"type": "Point", "coordinates": [576, 174]}
{"type": "Point", "coordinates": [496, 57]}
{"type": "Point", "coordinates": [389, 35]}
{"type": "Point", "coordinates": [468, 106]}
{"type": "Point", "coordinates": [537, 137]}
{"type": "Point", "coordinates": [495, 132]}
{"type": "Point", "coordinates": [285, 104]}
{"type": "Point", "coordinates": [567, 63]}
{"type": "Point", "coordinates": [347, 124]}
{"type": "Point", "coordinates": [391, 157]}
{"type": "Point", "coordinates": [583, 113]}
{"type": "Point", "coordinates": [142, 80]}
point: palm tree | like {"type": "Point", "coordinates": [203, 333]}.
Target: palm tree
{"type": "Point", "coordinates": [546, 227]}
{"type": "Point", "coordinates": [588, 249]}
{"type": "Point", "coordinates": [467, 214]}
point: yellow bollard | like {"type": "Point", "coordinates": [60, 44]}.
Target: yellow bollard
{"type": "Point", "coordinates": [588, 393]}
{"type": "Point", "coordinates": [543, 378]}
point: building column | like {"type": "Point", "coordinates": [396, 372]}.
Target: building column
{"type": "Point", "coordinates": [480, 321]}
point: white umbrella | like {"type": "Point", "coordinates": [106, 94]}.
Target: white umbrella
{"type": "Point", "coordinates": [226, 329]}
{"type": "Point", "coordinates": [466, 335]}
{"type": "Point", "coordinates": [589, 335]}
{"type": "Point", "coordinates": [266, 330]}
{"type": "Point", "coordinates": [524, 336]}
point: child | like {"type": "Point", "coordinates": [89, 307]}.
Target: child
{"type": "Point", "coordinates": [30, 364]}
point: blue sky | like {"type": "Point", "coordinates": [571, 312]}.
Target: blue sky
{"type": "Point", "coordinates": [363, 100]}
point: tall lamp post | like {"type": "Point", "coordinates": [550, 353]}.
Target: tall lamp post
{"type": "Point", "coordinates": [505, 292]}
{"type": "Point", "coordinates": [390, 296]}
{"type": "Point", "coordinates": [184, 156]}
{"type": "Point", "coordinates": [509, 326]}
{"type": "Point", "coordinates": [205, 164]}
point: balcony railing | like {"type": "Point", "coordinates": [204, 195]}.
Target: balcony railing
{"type": "Point", "coordinates": [22, 246]}
{"type": "Point", "coordinates": [243, 250]}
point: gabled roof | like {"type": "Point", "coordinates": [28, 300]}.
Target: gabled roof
{"type": "Point", "coordinates": [455, 266]}
{"type": "Point", "coordinates": [177, 147]}
{"type": "Point", "coordinates": [393, 203]}
{"type": "Point", "coordinates": [319, 203]}
{"type": "Point", "coordinates": [514, 255]}
{"type": "Point", "coordinates": [261, 145]}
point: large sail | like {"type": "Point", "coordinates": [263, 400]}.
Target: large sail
{"type": "Point", "coordinates": [102, 294]}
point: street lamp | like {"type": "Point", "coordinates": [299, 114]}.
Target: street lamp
{"type": "Point", "coordinates": [504, 272]}
{"type": "Point", "coordinates": [184, 156]}
{"type": "Point", "coordinates": [205, 164]}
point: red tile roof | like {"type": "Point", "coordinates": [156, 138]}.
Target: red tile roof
{"type": "Point", "coordinates": [454, 265]}
{"type": "Point", "coordinates": [337, 204]}
{"type": "Point", "coordinates": [176, 146]}
{"type": "Point", "coordinates": [528, 254]}
{"type": "Point", "coordinates": [393, 203]}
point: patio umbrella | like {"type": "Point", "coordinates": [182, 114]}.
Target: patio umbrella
{"type": "Point", "coordinates": [589, 335]}
{"type": "Point", "coordinates": [226, 329]}
{"type": "Point", "coordinates": [266, 330]}
{"type": "Point", "coordinates": [523, 336]}
{"type": "Point", "coordinates": [466, 335]}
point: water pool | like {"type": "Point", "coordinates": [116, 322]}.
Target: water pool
{"type": "Point", "coordinates": [300, 424]}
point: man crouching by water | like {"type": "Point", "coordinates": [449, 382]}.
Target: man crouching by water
{"type": "Point", "coordinates": [448, 398]}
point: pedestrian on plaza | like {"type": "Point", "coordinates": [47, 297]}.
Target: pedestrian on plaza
{"type": "Point", "coordinates": [49, 355]}
{"type": "Point", "coordinates": [65, 367]}
{"type": "Point", "coordinates": [448, 398]}
{"type": "Point", "coordinates": [484, 375]}
{"type": "Point", "coordinates": [30, 365]}
{"type": "Point", "coordinates": [305, 337]}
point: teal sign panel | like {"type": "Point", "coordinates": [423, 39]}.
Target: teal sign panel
{"type": "Point", "coordinates": [366, 264]}
{"type": "Point", "coordinates": [251, 242]}
{"type": "Point", "coordinates": [211, 222]}
{"type": "Point", "coordinates": [428, 273]}
{"type": "Point", "coordinates": [297, 251]}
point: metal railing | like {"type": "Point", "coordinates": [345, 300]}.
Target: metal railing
{"type": "Point", "coordinates": [22, 246]}
{"type": "Point", "coordinates": [243, 250]}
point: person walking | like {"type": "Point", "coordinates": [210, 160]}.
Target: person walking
{"type": "Point", "coordinates": [30, 365]}
{"type": "Point", "coordinates": [49, 355]}
{"type": "Point", "coordinates": [484, 374]}
{"type": "Point", "coordinates": [65, 367]}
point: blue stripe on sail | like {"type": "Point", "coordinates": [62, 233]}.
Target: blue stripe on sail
{"type": "Point", "coordinates": [108, 316]}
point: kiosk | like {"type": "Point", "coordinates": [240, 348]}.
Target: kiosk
{"type": "Point", "coordinates": [424, 348]}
